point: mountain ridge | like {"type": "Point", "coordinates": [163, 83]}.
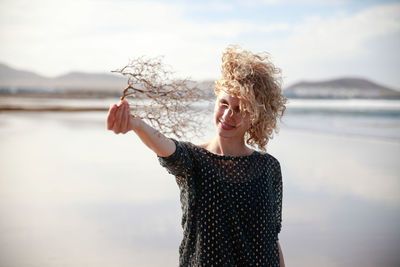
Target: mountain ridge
{"type": "Point", "coordinates": [16, 81]}
{"type": "Point", "coordinates": [343, 87]}
{"type": "Point", "coordinates": [10, 77]}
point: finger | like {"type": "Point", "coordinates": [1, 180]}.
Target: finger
{"type": "Point", "coordinates": [115, 126]}
{"type": "Point", "coordinates": [124, 118]}
{"type": "Point", "coordinates": [128, 114]}
{"type": "Point", "coordinates": [111, 116]}
{"type": "Point", "coordinates": [122, 102]}
{"type": "Point", "coordinates": [118, 117]}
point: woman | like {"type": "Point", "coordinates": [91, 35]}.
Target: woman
{"type": "Point", "coordinates": [231, 194]}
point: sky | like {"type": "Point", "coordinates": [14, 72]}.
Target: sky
{"type": "Point", "coordinates": [307, 39]}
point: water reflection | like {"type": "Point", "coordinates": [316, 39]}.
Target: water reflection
{"type": "Point", "coordinates": [364, 167]}
{"type": "Point", "coordinates": [73, 194]}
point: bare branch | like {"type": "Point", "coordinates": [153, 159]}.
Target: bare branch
{"type": "Point", "coordinates": [166, 103]}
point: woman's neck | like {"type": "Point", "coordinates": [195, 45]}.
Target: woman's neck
{"type": "Point", "coordinates": [228, 147]}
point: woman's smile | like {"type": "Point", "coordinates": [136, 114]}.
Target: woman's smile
{"type": "Point", "coordinates": [226, 126]}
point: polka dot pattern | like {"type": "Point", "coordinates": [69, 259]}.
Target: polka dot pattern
{"type": "Point", "coordinates": [231, 207]}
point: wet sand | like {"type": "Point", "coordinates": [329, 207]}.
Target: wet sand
{"type": "Point", "coordinates": [74, 194]}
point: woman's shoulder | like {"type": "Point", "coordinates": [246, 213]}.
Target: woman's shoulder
{"type": "Point", "coordinates": [186, 145]}
{"type": "Point", "coordinates": [204, 145]}
{"type": "Point", "coordinates": [270, 159]}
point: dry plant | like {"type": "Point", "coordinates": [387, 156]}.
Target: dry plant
{"type": "Point", "coordinates": [155, 96]}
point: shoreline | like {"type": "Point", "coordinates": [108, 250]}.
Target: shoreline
{"type": "Point", "coordinates": [10, 109]}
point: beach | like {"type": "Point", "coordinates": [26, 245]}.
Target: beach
{"type": "Point", "coordinates": [74, 194]}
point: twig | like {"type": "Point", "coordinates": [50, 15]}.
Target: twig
{"type": "Point", "coordinates": [166, 103]}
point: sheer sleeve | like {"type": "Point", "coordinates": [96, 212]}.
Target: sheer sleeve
{"type": "Point", "coordinates": [278, 197]}
{"type": "Point", "coordinates": [178, 163]}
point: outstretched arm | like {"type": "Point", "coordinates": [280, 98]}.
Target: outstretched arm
{"type": "Point", "coordinates": [119, 120]}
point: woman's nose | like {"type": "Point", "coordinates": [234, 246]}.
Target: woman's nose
{"type": "Point", "coordinates": [228, 113]}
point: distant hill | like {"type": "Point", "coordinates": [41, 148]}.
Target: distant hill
{"type": "Point", "coordinates": [9, 74]}
{"type": "Point", "coordinates": [80, 84]}
{"type": "Point", "coordinates": [13, 80]}
{"type": "Point", "coordinates": [340, 88]}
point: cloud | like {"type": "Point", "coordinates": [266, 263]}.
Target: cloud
{"type": "Point", "coordinates": [332, 37]}
{"type": "Point", "coordinates": [83, 34]}
{"type": "Point", "coordinates": [53, 37]}
{"type": "Point", "coordinates": [323, 44]}
{"type": "Point", "coordinates": [57, 36]}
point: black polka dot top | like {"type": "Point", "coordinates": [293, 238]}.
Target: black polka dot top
{"type": "Point", "coordinates": [231, 207]}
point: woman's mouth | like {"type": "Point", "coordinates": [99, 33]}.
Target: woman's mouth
{"type": "Point", "coordinates": [226, 126]}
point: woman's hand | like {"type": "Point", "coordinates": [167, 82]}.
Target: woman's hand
{"type": "Point", "coordinates": [120, 120]}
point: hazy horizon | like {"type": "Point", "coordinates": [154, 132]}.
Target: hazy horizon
{"type": "Point", "coordinates": [122, 79]}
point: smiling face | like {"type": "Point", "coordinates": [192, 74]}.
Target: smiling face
{"type": "Point", "coordinates": [228, 119]}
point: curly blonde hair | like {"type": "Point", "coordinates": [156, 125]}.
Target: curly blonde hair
{"type": "Point", "coordinates": [257, 83]}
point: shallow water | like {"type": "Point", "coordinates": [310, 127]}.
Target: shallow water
{"type": "Point", "coordinates": [74, 194]}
